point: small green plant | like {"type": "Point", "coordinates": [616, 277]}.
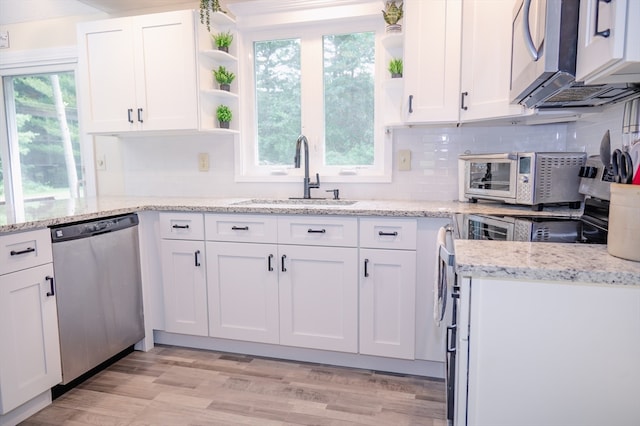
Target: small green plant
{"type": "Point", "coordinates": [223, 75]}
{"type": "Point", "coordinates": [224, 115]}
{"type": "Point", "coordinates": [223, 40]}
{"type": "Point", "coordinates": [392, 12]}
{"type": "Point", "coordinates": [395, 67]}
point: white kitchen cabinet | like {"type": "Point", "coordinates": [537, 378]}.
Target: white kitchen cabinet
{"type": "Point", "coordinates": [543, 352]}
{"type": "Point", "coordinates": [30, 349]}
{"type": "Point", "coordinates": [432, 43]}
{"type": "Point", "coordinates": [458, 61]}
{"type": "Point", "coordinates": [387, 294]}
{"type": "Point", "coordinates": [486, 61]}
{"type": "Point", "coordinates": [608, 47]}
{"type": "Point", "coordinates": [387, 303]}
{"type": "Point", "coordinates": [184, 277]}
{"type": "Point", "coordinates": [243, 291]}
{"type": "Point", "coordinates": [319, 297]}
{"type": "Point", "coordinates": [138, 73]}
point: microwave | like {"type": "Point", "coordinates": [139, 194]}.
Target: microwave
{"type": "Point", "coordinates": [526, 178]}
{"type": "Point", "coordinates": [544, 45]}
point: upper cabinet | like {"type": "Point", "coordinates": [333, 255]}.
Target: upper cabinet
{"type": "Point", "coordinates": [139, 73]}
{"type": "Point", "coordinates": [457, 61]}
{"type": "Point", "coordinates": [432, 60]}
{"type": "Point", "coordinates": [608, 47]}
{"type": "Point", "coordinates": [486, 61]}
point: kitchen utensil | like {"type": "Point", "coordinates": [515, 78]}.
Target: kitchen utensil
{"type": "Point", "coordinates": [622, 166]}
{"type": "Point", "coordinates": [605, 150]}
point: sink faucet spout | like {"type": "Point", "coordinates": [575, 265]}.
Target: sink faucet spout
{"type": "Point", "coordinates": [303, 143]}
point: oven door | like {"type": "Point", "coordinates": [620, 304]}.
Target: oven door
{"type": "Point", "coordinates": [479, 227]}
{"type": "Point", "coordinates": [492, 177]}
{"type": "Point", "coordinates": [445, 286]}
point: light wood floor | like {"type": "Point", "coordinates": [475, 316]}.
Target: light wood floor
{"type": "Point", "coordinates": [179, 386]}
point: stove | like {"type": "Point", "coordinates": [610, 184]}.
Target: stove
{"type": "Point", "coordinates": [591, 228]}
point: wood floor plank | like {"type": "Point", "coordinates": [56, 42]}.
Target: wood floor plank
{"type": "Point", "coordinates": [181, 386]}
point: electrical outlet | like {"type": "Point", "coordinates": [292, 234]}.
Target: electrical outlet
{"type": "Point", "coordinates": [4, 39]}
{"type": "Point", "coordinates": [404, 160]}
{"type": "Point", "coordinates": [203, 162]}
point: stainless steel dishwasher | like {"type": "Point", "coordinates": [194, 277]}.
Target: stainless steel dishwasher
{"type": "Point", "coordinates": [98, 291]}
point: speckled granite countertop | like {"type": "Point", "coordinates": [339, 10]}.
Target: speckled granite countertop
{"type": "Point", "coordinates": [54, 212]}
{"type": "Point", "coordinates": [544, 261]}
{"type": "Point", "coordinates": [520, 260]}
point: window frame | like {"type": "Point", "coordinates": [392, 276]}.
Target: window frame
{"type": "Point", "coordinates": [37, 61]}
{"type": "Point", "coordinates": [310, 34]}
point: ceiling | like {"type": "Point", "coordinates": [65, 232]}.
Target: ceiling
{"type": "Point", "coordinates": [18, 11]}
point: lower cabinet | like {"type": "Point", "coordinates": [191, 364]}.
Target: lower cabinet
{"type": "Point", "coordinates": [243, 291]}
{"type": "Point", "coordinates": [319, 297]}
{"type": "Point", "coordinates": [184, 283]}
{"type": "Point", "coordinates": [29, 348]}
{"type": "Point", "coordinates": [387, 303]}
{"type": "Point", "coordinates": [332, 283]}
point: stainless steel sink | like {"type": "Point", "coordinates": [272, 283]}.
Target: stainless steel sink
{"type": "Point", "coordinates": [296, 201]}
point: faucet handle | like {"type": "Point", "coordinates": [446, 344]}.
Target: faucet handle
{"type": "Point", "coordinates": [315, 184]}
{"type": "Point", "coordinates": [336, 193]}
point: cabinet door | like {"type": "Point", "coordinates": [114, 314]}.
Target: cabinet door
{"type": "Point", "coordinates": [30, 349]}
{"type": "Point", "coordinates": [319, 297]}
{"type": "Point", "coordinates": [486, 60]}
{"type": "Point", "coordinates": [243, 291]}
{"type": "Point", "coordinates": [166, 84]}
{"type": "Point", "coordinates": [184, 287]}
{"type": "Point", "coordinates": [608, 48]}
{"type": "Point", "coordinates": [106, 75]}
{"type": "Point", "coordinates": [387, 303]}
{"type": "Point", "coordinates": [432, 60]}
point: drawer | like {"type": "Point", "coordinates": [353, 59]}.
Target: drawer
{"type": "Point", "coordinates": [388, 233]}
{"type": "Point", "coordinates": [241, 227]}
{"type": "Point", "coordinates": [182, 226]}
{"type": "Point", "coordinates": [318, 230]}
{"type": "Point", "coordinates": [22, 250]}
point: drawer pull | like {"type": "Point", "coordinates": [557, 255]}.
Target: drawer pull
{"type": "Point", "coordinates": [52, 291]}
{"type": "Point", "coordinates": [284, 256]}
{"type": "Point", "coordinates": [19, 252]}
{"type": "Point", "coordinates": [366, 272]}
{"type": "Point", "coordinates": [388, 234]}
{"type": "Point", "coordinates": [196, 256]}
{"type": "Point", "coordinates": [240, 228]}
{"type": "Point", "coordinates": [180, 226]}
{"type": "Point", "coordinates": [269, 266]}
{"type": "Point", "coordinates": [316, 231]}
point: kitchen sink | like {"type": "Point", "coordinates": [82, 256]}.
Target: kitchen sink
{"type": "Point", "coordinates": [296, 201]}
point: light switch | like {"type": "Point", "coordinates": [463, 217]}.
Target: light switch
{"type": "Point", "coordinates": [4, 39]}
{"type": "Point", "coordinates": [404, 160]}
{"type": "Point", "coordinates": [203, 162]}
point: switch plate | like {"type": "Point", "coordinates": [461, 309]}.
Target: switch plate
{"type": "Point", "coordinates": [203, 162]}
{"type": "Point", "coordinates": [4, 39]}
{"type": "Point", "coordinates": [101, 162]}
{"type": "Point", "coordinates": [404, 160]}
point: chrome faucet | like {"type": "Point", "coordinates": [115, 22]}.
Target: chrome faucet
{"type": "Point", "coordinates": [302, 139]}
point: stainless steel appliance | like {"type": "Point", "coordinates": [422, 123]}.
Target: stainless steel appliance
{"type": "Point", "coordinates": [99, 291]}
{"type": "Point", "coordinates": [543, 59]}
{"type": "Point", "coordinates": [528, 178]}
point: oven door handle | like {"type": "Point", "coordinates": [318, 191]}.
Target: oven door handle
{"type": "Point", "coordinates": [451, 339]}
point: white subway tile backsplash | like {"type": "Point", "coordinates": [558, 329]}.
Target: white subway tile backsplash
{"type": "Point", "coordinates": [167, 166]}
